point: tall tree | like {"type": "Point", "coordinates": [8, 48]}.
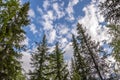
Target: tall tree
{"type": "Point", "coordinates": [114, 31]}
{"type": "Point", "coordinates": [89, 50]}
{"type": "Point", "coordinates": [111, 11]}
{"type": "Point", "coordinates": [58, 67]}
{"type": "Point", "coordinates": [13, 17]}
{"type": "Point", "coordinates": [80, 69]}
{"type": "Point", "coordinates": [39, 62]}
{"type": "Point", "coordinates": [74, 73]}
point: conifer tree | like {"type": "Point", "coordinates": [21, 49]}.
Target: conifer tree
{"type": "Point", "coordinates": [80, 69]}
{"type": "Point", "coordinates": [40, 62]}
{"type": "Point", "coordinates": [74, 72]}
{"type": "Point", "coordinates": [114, 31]}
{"type": "Point", "coordinates": [57, 65]}
{"type": "Point", "coordinates": [13, 17]}
{"type": "Point", "coordinates": [90, 51]}
{"type": "Point", "coordinates": [111, 11]}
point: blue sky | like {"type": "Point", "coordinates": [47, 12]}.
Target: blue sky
{"type": "Point", "coordinates": [55, 18]}
{"type": "Point", "coordinates": [58, 19]}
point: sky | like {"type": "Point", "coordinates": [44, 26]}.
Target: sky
{"type": "Point", "coordinates": [58, 19]}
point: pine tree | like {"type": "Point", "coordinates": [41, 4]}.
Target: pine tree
{"type": "Point", "coordinates": [90, 51]}
{"type": "Point", "coordinates": [13, 17]}
{"type": "Point", "coordinates": [114, 31]}
{"type": "Point", "coordinates": [57, 65]}
{"type": "Point", "coordinates": [74, 72]}
{"type": "Point", "coordinates": [111, 11]}
{"type": "Point", "coordinates": [80, 69]}
{"type": "Point", "coordinates": [40, 62]}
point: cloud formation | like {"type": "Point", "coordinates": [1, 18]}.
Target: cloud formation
{"type": "Point", "coordinates": [26, 61]}
{"type": "Point", "coordinates": [58, 10]}
{"type": "Point", "coordinates": [92, 20]}
{"type": "Point", "coordinates": [33, 28]}
{"type": "Point", "coordinates": [70, 9]}
{"type": "Point", "coordinates": [31, 13]}
{"type": "Point", "coordinates": [51, 36]}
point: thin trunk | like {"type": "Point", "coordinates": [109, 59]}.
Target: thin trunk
{"type": "Point", "coordinates": [90, 52]}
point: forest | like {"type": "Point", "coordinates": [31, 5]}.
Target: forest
{"type": "Point", "coordinates": [89, 60]}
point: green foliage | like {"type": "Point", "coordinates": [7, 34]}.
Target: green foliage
{"type": "Point", "coordinates": [111, 10]}
{"type": "Point", "coordinates": [57, 66]}
{"type": "Point", "coordinates": [39, 62]}
{"type": "Point", "coordinates": [79, 67]}
{"type": "Point", "coordinates": [89, 50]}
{"type": "Point", "coordinates": [76, 76]}
{"type": "Point", "coordinates": [13, 17]}
{"type": "Point", "coordinates": [114, 31]}
{"type": "Point", "coordinates": [46, 66]}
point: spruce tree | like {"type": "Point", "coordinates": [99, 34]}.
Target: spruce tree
{"type": "Point", "coordinates": [13, 17]}
{"type": "Point", "coordinates": [57, 65]}
{"type": "Point", "coordinates": [89, 50]}
{"type": "Point", "coordinates": [111, 11]}
{"type": "Point", "coordinates": [40, 62]}
{"type": "Point", "coordinates": [80, 69]}
{"type": "Point", "coordinates": [74, 73]}
{"type": "Point", "coordinates": [114, 31]}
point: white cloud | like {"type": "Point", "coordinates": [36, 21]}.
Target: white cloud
{"type": "Point", "coordinates": [47, 25]}
{"type": "Point", "coordinates": [33, 28]}
{"type": "Point", "coordinates": [46, 4]}
{"type": "Point", "coordinates": [47, 21]}
{"type": "Point", "coordinates": [58, 10]}
{"type": "Point", "coordinates": [100, 17]}
{"type": "Point", "coordinates": [63, 42]}
{"type": "Point", "coordinates": [26, 61]}
{"type": "Point", "coordinates": [51, 35]}
{"type": "Point", "coordinates": [91, 21]}
{"type": "Point", "coordinates": [20, 1]}
{"type": "Point", "coordinates": [101, 1]}
{"type": "Point", "coordinates": [50, 15]}
{"type": "Point", "coordinates": [70, 9]}
{"type": "Point", "coordinates": [74, 2]}
{"type": "Point", "coordinates": [69, 36]}
{"type": "Point", "coordinates": [74, 31]}
{"type": "Point", "coordinates": [39, 10]}
{"type": "Point", "coordinates": [31, 13]}
{"type": "Point", "coordinates": [70, 14]}
{"type": "Point", "coordinates": [63, 29]}
{"type": "Point", "coordinates": [68, 51]}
